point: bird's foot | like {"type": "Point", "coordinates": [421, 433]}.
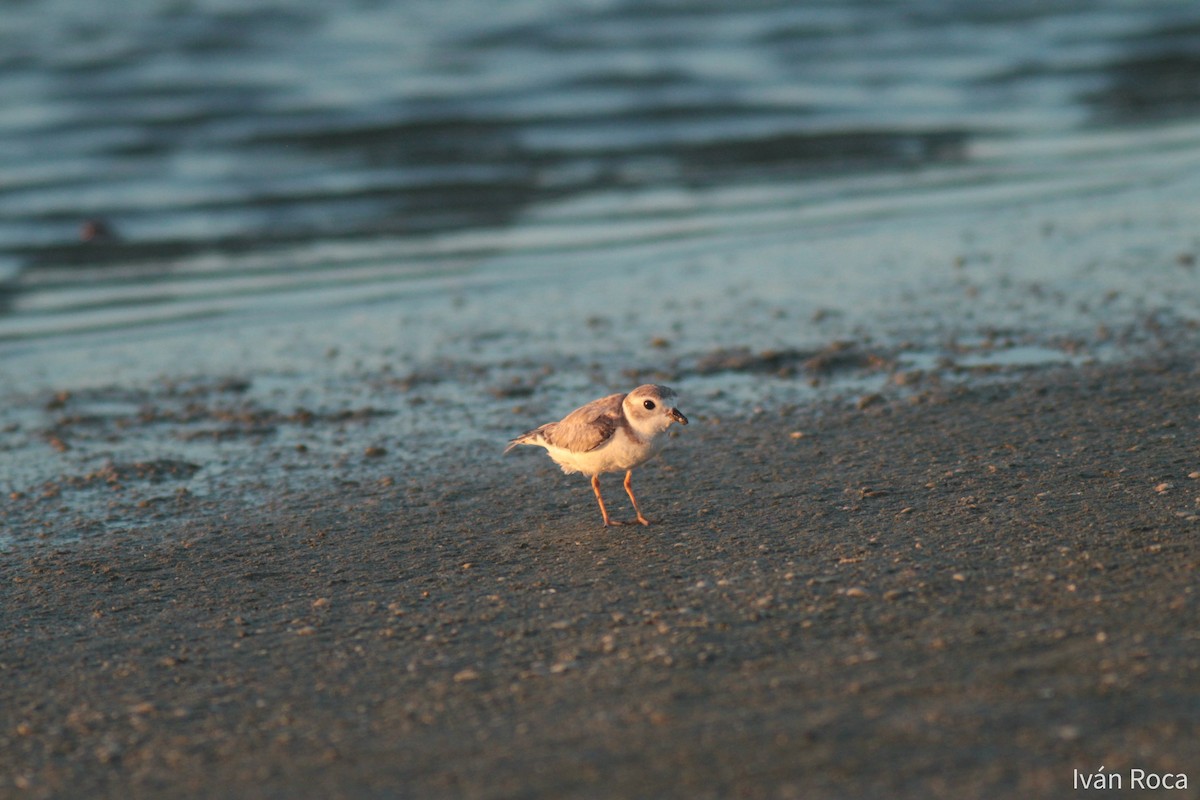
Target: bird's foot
{"type": "Point", "coordinates": [613, 523]}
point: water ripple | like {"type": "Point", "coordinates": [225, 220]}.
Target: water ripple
{"type": "Point", "coordinates": [136, 146]}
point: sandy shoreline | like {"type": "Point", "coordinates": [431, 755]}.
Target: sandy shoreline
{"type": "Point", "coordinates": [970, 592]}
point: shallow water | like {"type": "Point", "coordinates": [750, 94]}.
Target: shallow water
{"type": "Point", "coordinates": [469, 217]}
{"type": "Point", "coordinates": [244, 155]}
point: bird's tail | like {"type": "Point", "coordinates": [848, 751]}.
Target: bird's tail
{"type": "Point", "coordinates": [524, 438]}
{"type": "Point", "coordinates": [535, 437]}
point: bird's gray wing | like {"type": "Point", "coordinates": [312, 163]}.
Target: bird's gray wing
{"type": "Point", "coordinates": [588, 427]}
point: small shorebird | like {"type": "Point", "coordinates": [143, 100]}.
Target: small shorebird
{"type": "Point", "coordinates": [614, 433]}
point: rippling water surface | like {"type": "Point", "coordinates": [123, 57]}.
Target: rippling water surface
{"type": "Point", "coordinates": [181, 159]}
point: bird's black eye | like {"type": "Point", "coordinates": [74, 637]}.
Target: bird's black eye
{"type": "Point", "coordinates": [649, 404]}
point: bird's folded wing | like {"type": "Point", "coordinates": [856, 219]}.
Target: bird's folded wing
{"type": "Point", "coordinates": [590, 426]}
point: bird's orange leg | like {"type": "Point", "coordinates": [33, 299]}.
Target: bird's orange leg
{"type": "Point", "coordinates": [600, 500]}
{"type": "Point", "coordinates": [632, 499]}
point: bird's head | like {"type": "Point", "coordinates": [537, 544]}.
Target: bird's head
{"type": "Point", "coordinates": [651, 409]}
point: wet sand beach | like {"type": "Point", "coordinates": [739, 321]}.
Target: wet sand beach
{"type": "Point", "coordinates": [956, 591]}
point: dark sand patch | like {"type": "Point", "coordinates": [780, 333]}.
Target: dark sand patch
{"type": "Point", "coordinates": [969, 593]}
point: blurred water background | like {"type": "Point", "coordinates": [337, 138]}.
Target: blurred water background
{"type": "Point", "coordinates": [177, 158]}
{"type": "Point", "coordinates": [527, 201]}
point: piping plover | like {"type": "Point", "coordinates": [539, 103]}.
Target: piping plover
{"type": "Point", "coordinates": [611, 434]}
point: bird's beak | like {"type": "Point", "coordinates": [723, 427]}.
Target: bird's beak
{"type": "Point", "coordinates": [678, 416]}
